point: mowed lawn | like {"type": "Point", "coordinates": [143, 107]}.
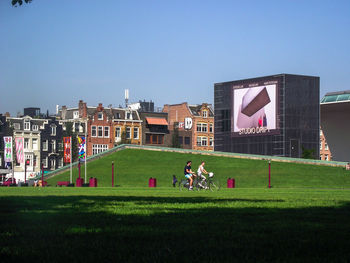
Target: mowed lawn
{"type": "Point", "coordinates": [134, 167]}
{"type": "Point", "coordinates": [138, 224]}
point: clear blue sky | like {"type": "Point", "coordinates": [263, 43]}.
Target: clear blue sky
{"type": "Point", "coordinates": [57, 52]}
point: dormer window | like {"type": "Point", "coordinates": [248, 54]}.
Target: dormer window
{"type": "Point", "coordinates": [205, 114]}
{"type": "Point", "coordinates": [129, 116]}
{"type": "Point", "coordinates": [27, 125]}
{"type": "Point", "coordinates": [100, 116]}
{"type": "Point", "coordinates": [75, 114]}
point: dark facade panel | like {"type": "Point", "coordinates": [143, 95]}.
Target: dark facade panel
{"type": "Point", "coordinates": [297, 116]}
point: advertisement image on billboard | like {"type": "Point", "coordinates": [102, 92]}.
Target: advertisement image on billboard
{"type": "Point", "coordinates": [255, 110]}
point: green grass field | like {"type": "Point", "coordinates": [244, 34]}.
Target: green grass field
{"type": "Point", "coordinates": [305, 217]}
{"type": "Point", "coordinates": [135, 167]}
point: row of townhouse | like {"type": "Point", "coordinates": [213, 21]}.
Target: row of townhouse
{"type": "Point", "coordinates": [104, 128]}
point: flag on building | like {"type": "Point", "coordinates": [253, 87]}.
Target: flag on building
{"type": "Point", "coordinates": [19, 149]}
{"type": "Point", "coordinates": [67, 149]}
{"type": "Point", "coordinates": [8, 149]}
{"type": "Point", "coordinates": [82, 148]}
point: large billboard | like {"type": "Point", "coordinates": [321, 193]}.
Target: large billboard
{"type": "Point", "coordinates": [255, 109]}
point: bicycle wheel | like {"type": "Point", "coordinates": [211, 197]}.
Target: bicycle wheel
{"type": "Point", "coordinates": [182, 184]}
{"type": "Point", "coordinates": [214, 185]}
{"type": "Point", "coordinates": [196, 185]}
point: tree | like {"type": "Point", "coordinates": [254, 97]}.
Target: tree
{"type": "Point", "coordinates": [124, 140]}
{"type": "Point", "coordinates": [308, 153]}
{"type": "Point", "coordinates": [20, 2]}
{"type": "Point", "coordinates": [70, 133]}
{"type": "Point", "coordinates": [175, 138]}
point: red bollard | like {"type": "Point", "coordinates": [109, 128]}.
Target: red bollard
{"type": "Point", "coordinates": [269, 174]}
{"type": "Point", "coordinates": [152, 182]}
{"type": "Point", "coordinates": [230, 183]}
{"type": "Point", "coordinates": [42, 175]}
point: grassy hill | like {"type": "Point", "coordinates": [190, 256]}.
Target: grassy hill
{"type": "Point", "coordinates": [134, 167]}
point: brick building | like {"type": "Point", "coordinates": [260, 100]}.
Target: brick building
{"type": "Point", "coordinates": [195, 124]}
{"type": "Point", "coordinates": [155, 129]}
{"type": "Point", "coordinates": [325, 153]}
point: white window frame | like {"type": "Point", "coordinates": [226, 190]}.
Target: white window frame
{"type": "Point", "coordinates": [26, 125]}
{"type": "Point", "coordinates": [100, 116]}
{"type": "Point", "coordinates": [320, 145]}
{"type": "Point", "coordinates": [53, 146]}
{"type": "Point", "coordinates": [60, 162]}
{"type": "Point", "coordinates": [100, 129]}
{"type": "Point", "coordinates": [205, 114]}
{"type": "Point", "coordinates": [36, 146]}
{"type": "Point", "coordinates": [53, 130]}
{"type": "Point", "coordinates": [106, 128]}
{"type": "Point", "coordinates": [326, 146]}
{"type": "Point", "coordinates": [201, 140]}
{"type": "Point", "coordinates": [26, 144]}
{"type": "Point", "coordinates": [35, 127]}
{"type": "Point", "coordinates": [53, 161]}
{"type": "Point", "coordinates": [46, 162]}
{"type": "Point", "coordinates": [30, 157]}
{"type": "Point", "coordinates": [98, 148]}
{"type": "Point", "coordinates": [211, 128]}
{"type": "Point", "coordinates": [118, 132]}
{"type": "Point", "coordinates": [211, 141]}
{"type": "Point", "coordinates": [92, 131]}
{"type": "Point", "coordinates": [202, 127]}
{"type": "Point", "coordinates": [137, 132]}
{"type": "Point", "coordinates": [45, 143]}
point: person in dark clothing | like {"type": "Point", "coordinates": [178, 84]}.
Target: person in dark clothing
{"type": "Point", "coordinates": [189, 174]}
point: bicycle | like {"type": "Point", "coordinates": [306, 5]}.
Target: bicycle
{"type": "Point", "coordinates": [201, 184]}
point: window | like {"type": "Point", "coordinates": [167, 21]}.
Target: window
{"type": "Point", "coordinates": [53, 164]}
{"type": "Point", "coordinates": [27, 125]}
{"type": "Point", "coordinates": [53, 130]}
{"type": "Point", "coordinates": [34, 160]}
{"type": "Point", "coordinates": [326, 157]}
{"type": "Point", "coordinates": [30, 158]}
{"type": "Point", "coordinates": [211, 141]}
{"type": "Point", "coordinates": [16, 126]}
{"type": "Point", "coordinates": [202, 141]}
{"type": "Point", "coordinates": [136, 133]}
{"type": "Point", "coordinates": [46, 162]}
{"type": "Point", "coordinates": [98, 148]}
{"type": "Point", "coordinates": [154, 138]}
{"type": "Point", "coordinates": [117, 115]}
{"type": "Point", "coordinates": [205, 114]}
{"type": "Point", "coordinates": [75, 114]}
{"type": "Point", "coordinates": [187, 140]}
{"type": "Point", "coordinates": [60, 162]}
{"type": "Point", "coordinates": [211, 130]}
{"type": "Point", "coordinates": [181, 139]}
{"type": "Point", "coordinates": [53, 146]}
{"type": "Point", "coordinates": [128, 132]}
{"type": "Point", "coordinates": [93, 131]}
{"type": "Point", "coordinates": [35, 127]}
{"type": "Point", "coordinates": [60, 146]}
{"type": "Point", "coordinates": [45, 145]}
{"type": "Point", "coordinates": [117, 132]}
{"type": "Point", "coordinates": [100, 116]}
{"type": "Point", "coordinates": [326, 146]}
{"type": "Point", "coordinates": [35, 144]}
{"type": "Point", "coordinates": [320, 145]}
{"type": "Point", "coordinates": [128, 116]}
{"type": "Point", "coordinates": [26, 143]}
{"type": "Point", "coordinates": [106, 132]}
{"type": "Point", "coordinates": [202, 127]}
{"type": "Point", "coordinates": [100, 131]}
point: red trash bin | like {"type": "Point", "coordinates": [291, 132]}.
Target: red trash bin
{"type": "Point", "coordinates": [230, 183]}
{"type": "Point", "coordinates": [152, 182]}
{"type": "Point", "coordinates": [79, 182]}
{"type": "Point", "coordinates": [93, 182]}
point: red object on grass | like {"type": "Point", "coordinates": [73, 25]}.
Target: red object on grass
{"type": "Point", "coordinates": [231, 183]}
{"type": "Point", "coordinates": [269, 174]}
{"type": "Point", "coordinates": [112, 174]}
{"type": "Point", "coordinates": [79, 182]}
{"type": "Point", "coordinates": [152, 182]}
{"type": "Point", "coordinates": [93, 182]}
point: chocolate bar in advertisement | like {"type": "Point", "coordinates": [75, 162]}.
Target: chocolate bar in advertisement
{"type": "Point", "coordinates": [254, 100]}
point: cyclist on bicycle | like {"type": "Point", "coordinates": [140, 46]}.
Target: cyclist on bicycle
{"type": "Point", "coordinates": [200, 173]}
{"type": "Point", "coordinates": [189, 174]}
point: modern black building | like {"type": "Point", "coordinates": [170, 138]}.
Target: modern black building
{"type": "Point", "coordinates": [273, 115]}
{"type": "Point", "coordinates": [32, 112]}
{"type": "Point", "coordinates": [146, 106]}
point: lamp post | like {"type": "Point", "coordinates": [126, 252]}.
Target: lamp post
{"type": "Point", "coordinates": [25, 170]}
{"type": "Point", "coordinates": [42, 175]}
{"type": "Point", "coordinates": [269, 174]}
{"type": "Point", "coordinates": [113, 174]}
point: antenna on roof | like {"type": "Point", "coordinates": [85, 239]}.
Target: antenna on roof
{"type": "Point", "coordinates": [126, 97]}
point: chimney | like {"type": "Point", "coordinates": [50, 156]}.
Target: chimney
{"type": "Point", "coordinates": [63, 112]}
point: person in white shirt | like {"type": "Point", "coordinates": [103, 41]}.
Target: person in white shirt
{"type": "Point", "coordinates": [200, 172]}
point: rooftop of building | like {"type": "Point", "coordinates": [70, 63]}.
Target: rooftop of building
{"type": "Point", "coordinates": [334, 97]}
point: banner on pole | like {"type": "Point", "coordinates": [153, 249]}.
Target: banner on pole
{"type": "Point", "coordinates": [19, 149]}
{"type": "Point", "coordinates": [8, 149]}
{"type": "Point", "coordinates": [67, 148]}
{"type": "Point", "coordinates": [82, 148]}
